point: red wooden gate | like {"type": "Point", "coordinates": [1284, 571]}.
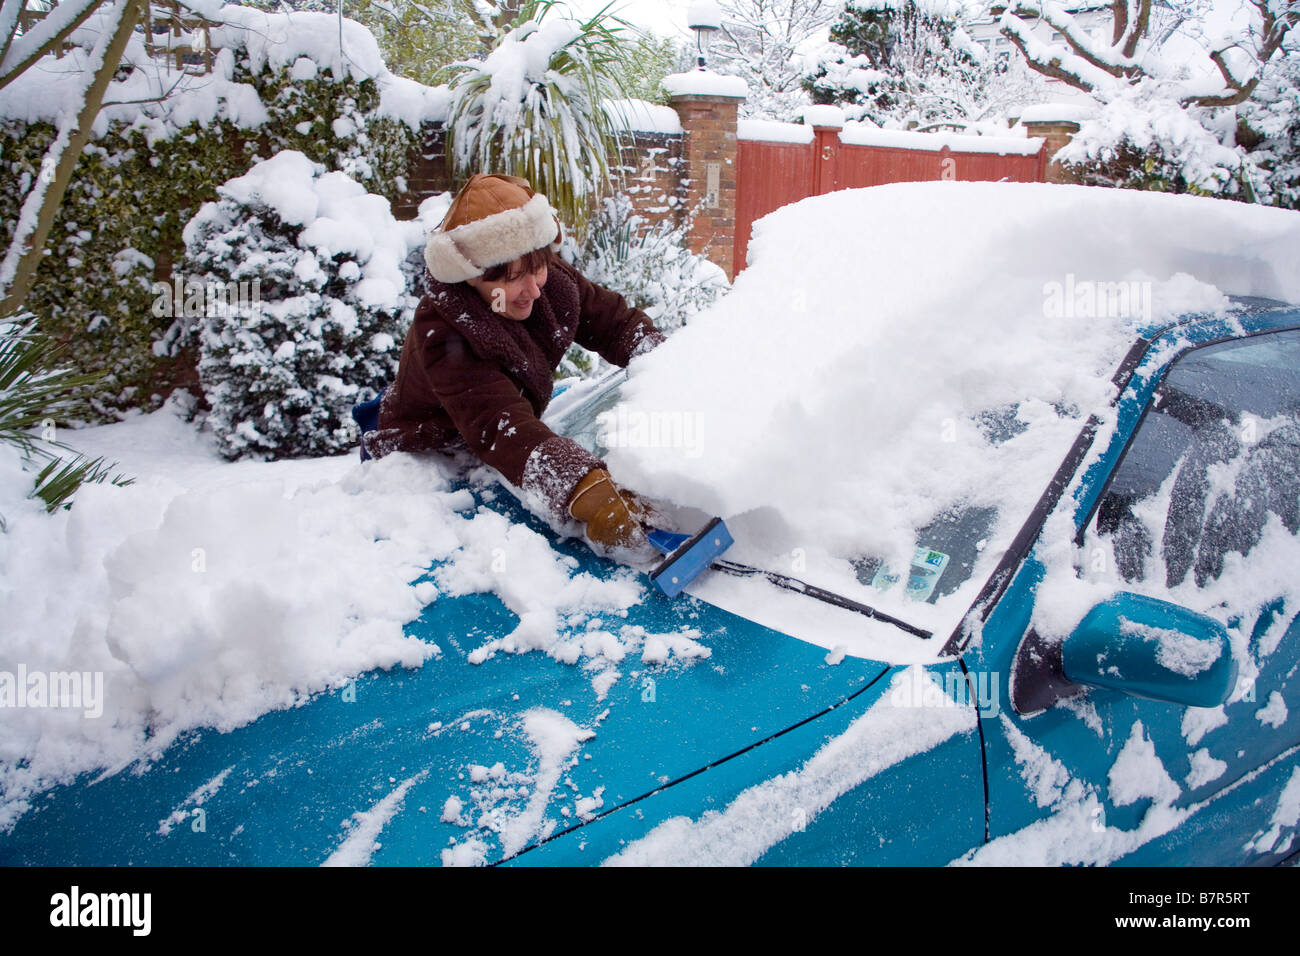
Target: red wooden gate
{"type": "Point", "coordinates": [772, 172]}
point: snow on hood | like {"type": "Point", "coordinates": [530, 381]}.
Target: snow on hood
{"type": "Point", "coordinates": [839, 396]}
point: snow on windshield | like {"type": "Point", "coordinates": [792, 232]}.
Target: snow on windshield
{"type": "Point", "coordinates": [900, 358]}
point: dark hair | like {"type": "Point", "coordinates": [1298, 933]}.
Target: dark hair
{"type": "Point", "coordinates": [530, 262]}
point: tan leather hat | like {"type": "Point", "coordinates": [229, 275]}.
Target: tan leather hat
{"type": "Point", "coordinates": [493, 220]}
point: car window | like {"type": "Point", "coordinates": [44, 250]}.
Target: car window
{"type": "Point", "coordinates": [1216, 455]}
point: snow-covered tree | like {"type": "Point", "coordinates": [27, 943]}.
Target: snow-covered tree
{"type": "Point", "coordinates": [1269, 129]}
{"type": "Point", "coordinates": [1173, 80]}
{"type": "Point", "coordinates": [902, 62]}
{"type": "Point", "coordinates": [1220, 62]}
{"type": "Point", "coordinates": [532, 107]}
{"type": "Point", "coordinates": [301, 307]}
{"type": "Point", "coordinates": [763, 41]}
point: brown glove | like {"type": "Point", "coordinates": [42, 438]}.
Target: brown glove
{"type": "Point", "coordinates": [598, 504]}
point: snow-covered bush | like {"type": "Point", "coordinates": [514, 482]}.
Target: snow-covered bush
{"type": "Point", "coordinates": [1270, 130]}
{"type": "Point", "coordinates": [1141, 140]}
{"type": "Point", "coordinates": [305, 305]}
{"type": "Point", "coordinates": [532, 108]}
{"type": "Point", "coordinates": [649, 264]}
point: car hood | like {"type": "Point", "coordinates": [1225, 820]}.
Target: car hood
{"type": "Point", "coordinates": [464, 762]}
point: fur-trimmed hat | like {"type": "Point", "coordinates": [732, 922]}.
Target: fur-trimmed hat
{"type": "Point", "coordinates": [493, 220]}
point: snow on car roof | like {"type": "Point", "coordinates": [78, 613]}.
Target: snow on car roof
{"type": "Point", "coordinates": [848, 392]}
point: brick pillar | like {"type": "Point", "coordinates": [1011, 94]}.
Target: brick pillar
{"type": "Point", "coordinates": [1057, 133]}
{"type": "Point", "coordinates": [709, 122]}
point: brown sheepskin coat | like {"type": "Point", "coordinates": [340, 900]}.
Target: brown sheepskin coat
{"type": "Point", "coordinates": [471, 378]}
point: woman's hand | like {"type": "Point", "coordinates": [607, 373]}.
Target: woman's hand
{"type": "Point", "coordinates": [612, 517]}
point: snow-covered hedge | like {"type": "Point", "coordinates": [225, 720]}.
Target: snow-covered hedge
{"type": "Point", "coordinates": [154, 159]}
{"type": "Point", "coordinates": [306, 305]}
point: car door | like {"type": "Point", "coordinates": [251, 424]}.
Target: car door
{"type": "Point", "coordinates": [1199, 510]}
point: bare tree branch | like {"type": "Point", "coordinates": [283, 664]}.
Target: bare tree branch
{"type": "Point", "coordinates": [1051, 69]}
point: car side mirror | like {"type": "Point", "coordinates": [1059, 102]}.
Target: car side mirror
{"type": "Point", "coordinates": [1150, 648]}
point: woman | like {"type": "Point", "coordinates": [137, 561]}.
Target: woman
{"type": "Point", "coordinates": [476, 368]}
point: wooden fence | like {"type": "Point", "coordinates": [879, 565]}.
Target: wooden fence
{"type": "Point", "coordinates": [781, 163]}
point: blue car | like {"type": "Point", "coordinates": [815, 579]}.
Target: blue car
{"type": "Point", "coordinates": [1150, 734]}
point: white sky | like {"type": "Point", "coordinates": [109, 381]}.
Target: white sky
{"type": "Point", "coordinates": [666, 18]}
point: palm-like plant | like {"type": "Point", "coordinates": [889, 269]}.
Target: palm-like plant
{"type": "Point", "coordinates": [534, 107]}
{"type": "Point", "coordinates": [34, 391]}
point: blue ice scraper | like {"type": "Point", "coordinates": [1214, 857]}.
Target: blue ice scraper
{"type": "Point", "coordinates": [686, 555]}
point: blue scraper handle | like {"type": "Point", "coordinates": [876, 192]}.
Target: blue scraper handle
{"type": "Point", "coordinates": [687, 555]}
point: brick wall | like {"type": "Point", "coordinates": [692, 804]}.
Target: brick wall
{"type": "Point", "coordinates": [1057, 133]}
{"type": "Point", "coordinates": [668, 176]}
{"type": "Point", "coordinates": [651, 166]}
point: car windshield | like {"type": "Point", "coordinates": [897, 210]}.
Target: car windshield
{"type": "Point", "coordinates": [945, 551]}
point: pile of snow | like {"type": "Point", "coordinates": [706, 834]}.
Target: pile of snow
{"type": "Point", "coordinates": [839, 396]}
{"type": "Point", "coordinates": [643, 117]}
{"type": "Point", "coordinates": [705, 83]}
{"type": "Point", "coordinates": [1058, 112]}
{"type": "Point", "coordinates": [774, 131]}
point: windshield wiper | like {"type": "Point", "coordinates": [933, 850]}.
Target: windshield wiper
{"type": "Point", "coordinates": [820, 594]}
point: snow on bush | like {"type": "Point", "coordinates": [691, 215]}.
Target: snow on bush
{"type": "Point", "coordinates": [1142, 140]}
{"type": "Point", "coordinates": [649, 264]}
{"type": "Point", "coordinates": [1270, 130]}
{"type": "Point", "coordinates": [319, 306]}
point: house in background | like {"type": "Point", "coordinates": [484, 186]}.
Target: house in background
{"type": "Point", "coordinates": [1094, 17]}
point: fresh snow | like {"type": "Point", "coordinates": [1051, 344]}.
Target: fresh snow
{"type": "Point", "coordinates": [640, 116]}
{"type": "Point", "coordinates": [874, 331]}
{"type": "Point", "coordinates": [209, 593]}
{"type": "Point", "coordinates": [860, 134]}
{"type": "Point", "coordinates": [1057, 112]}
{"type": "Point", "coordinates": [705, 83]}
{"type": "Point", "coordinates": [774, 131]}
{"type": "Point", "coordinates": [858, 360]}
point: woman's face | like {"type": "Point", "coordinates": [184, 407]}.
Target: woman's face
{"type": "Point", "coordinates": [513, 295]}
